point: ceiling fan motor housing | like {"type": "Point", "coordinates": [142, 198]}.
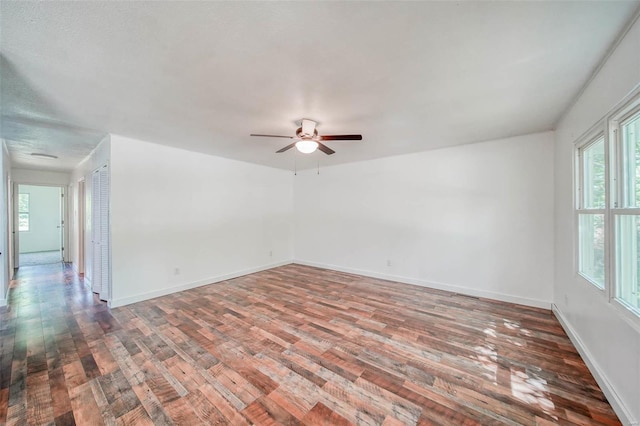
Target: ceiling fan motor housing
{"type": "Point", "coordinates": [301, 135]}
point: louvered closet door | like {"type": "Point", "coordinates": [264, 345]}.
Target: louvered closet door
{"type": "Point", "coordinates": [96, 252]}
{"type": "Point", "coordinates": [105, 279]}
{"type": "Point", "coordinates": [100, 276]}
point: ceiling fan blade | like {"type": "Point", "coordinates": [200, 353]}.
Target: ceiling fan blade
{"type": "Point", "coordinates": [286, 148]}
{"type": "Point", "coordinates": [325, 149]}
{"type": "Point", "coordinates": [308, 127]}
{"type": "Point", "coordinates": [340, 138]}
{"type": "Point", "coordinates": [271, 136]}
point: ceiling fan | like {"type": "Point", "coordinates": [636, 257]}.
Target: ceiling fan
{"type": "Point", "coordinates": [308, 139]}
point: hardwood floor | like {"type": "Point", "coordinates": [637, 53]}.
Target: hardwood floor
{"type": "Point", "coordinates": [292, 345]}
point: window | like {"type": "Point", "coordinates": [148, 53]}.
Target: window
{"type": "Point", "coordinates": [591, 210]}
{"type": "Point", "coordinates": [607, 208]}
{"type": "Point", "coordinates": [23, 212]}
{"type": "Point", "coordinates": [626, 211]}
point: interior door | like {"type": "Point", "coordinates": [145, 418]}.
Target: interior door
{"type": "Point", "coordinates": [61, 227]}
{"type": "Point", "coordinates": [105, 258]}
{"type": "Point", "coordinates": [96, 261]}
{"type": "Point", "coordinates": [81, 226]}
{"type": "Point", "coordinates": [11, 218]}
{"type": "Point", "coordinates": [101, 277]}
{"type": "Point", "coordinates": [14, 230]}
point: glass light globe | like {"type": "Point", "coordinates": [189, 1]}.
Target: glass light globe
{"type": "Point", "coordinates": [306, 146]}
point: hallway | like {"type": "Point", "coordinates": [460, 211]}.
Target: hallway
{"type": "Point", "coordinates": [46, 331]}
{"type": "Point", "coordinates": [40, 258]}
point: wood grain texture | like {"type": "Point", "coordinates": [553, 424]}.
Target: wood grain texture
{"type": "Point", "coordinates": [292, 345]}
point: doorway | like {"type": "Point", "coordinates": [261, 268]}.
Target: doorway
{"type": "Point", "coordinates": [40, 224]}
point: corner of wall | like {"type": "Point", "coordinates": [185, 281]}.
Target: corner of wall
{"type": "Point", "coordinates": [5, 223]}
{"type": "Point", "coordinates": [588, 317]}
{"type": "Point", "coordinates": [598, 373]}
{"type": "Point", "coordinates": [117, 302]}
{"type": "Point", "coordinates": [503, 297]}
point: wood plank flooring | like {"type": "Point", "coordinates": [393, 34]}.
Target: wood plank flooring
{"type": "Point", "coordinates": [292, 345]}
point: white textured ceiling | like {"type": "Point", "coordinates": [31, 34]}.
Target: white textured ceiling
{"type": "Point", "coordinates": [203, 75]}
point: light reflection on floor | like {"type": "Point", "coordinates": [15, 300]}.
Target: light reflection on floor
{"type": "Point", "coordinates": [531, 390]}
{"type": "Point", "coordinates": [524, 386]}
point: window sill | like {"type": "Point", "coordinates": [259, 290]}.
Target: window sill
{"type": "Point", "coordinates": [630, 316]}
{"type": "Point", "coordinates": [591, 283]}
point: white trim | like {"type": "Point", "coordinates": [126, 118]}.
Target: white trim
{"type": "Point", "coordinates": [607, 388]}
{"type": "Point", "coordinates": [631, 211]}
{"type": "Point", "coordinates": [626, 109]}
{"type": "Point", "coordinates": [3, 302]}
{"type": "Point", "coordinates": [536, 303]}
{"type": "Point", "coordinates": [187, 286]}
{"type": "Point", "coordinates": [599, 128]}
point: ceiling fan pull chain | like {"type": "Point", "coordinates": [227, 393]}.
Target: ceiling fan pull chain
{"type": "Point", "coordinates": [318, 166]}
{"type": "Point", "coordinates": [295, 163]}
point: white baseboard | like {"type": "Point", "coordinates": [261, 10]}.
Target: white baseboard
{"type": "Point", "coordinates": [187, 286]}
{"type": "Point", "coordinates": [87, 283]}
{"type": "Point", "coordinates": [439, 286]}
{"type": "Point", "coordinates": [616, 403]}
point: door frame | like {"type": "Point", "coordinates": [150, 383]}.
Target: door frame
{"type": "Point", "coordinates": [64, 214]}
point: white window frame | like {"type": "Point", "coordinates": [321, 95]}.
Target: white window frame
{"type": "Point", "coordinates": [20, 212]}
{"type": "Point", "coordinates": [616, 120]}
{"type": "Point", "coordinates": [594, 135]}
{"type": "Point", "coordinates": [610, 126]}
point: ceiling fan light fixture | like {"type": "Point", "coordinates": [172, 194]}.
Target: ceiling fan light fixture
{"type": "Point", "coordinates": [42, 155]}
{"type": "Point", "coordinates": [306, 146]}
{"type": "Point", "coordinates": [307, 139]}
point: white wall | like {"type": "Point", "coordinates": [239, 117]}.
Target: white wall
{"type": "Point", "coordinates": [40, 177]}
{"type": "Point", "coordinates": [98, 158]}
{"type": "Point", "coordinates": [5, 266]}
{"type": "Point", "coordinates": [44, 232]}
{"type": "Point", "coordinates": [610, 344]}
{"type": "Point", "coordinates": [477, 219]}
{"type": "Point", "coordinates": [181, 219]}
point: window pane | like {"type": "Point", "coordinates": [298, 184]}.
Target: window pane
{"type": "Point", "coordinates": [23, 203]}
{"type": "Point", "coordinates": [23, 222]}
{"type": "Point", "coordinates": [594, 171]}
{"type": "Point", "coordinates": [627, 261]}
{"type": "Point", "coordinates": [631, 161]}
{"type": "Point", "coordinates": [591, 257]}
